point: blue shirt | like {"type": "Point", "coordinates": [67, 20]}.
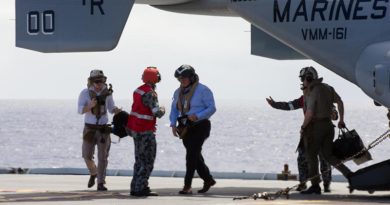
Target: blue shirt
{"type": "Point", "coordinates": [202, 104]}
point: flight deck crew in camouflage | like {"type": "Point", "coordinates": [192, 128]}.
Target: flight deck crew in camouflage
{"type": "Point", "coordinates": [317, 129]}
{"type": "Point", "coordinates": [93, 102]}
{"type": "Point", "coordinates": [142, 127]}
{"type": "Point", "coordinates": [301, 160]}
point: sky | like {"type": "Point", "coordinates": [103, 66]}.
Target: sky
{"type": "Point", "coordinates": [217, 47]}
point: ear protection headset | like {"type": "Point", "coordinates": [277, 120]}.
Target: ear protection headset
{"type": "Point", "coordinates": [308, 73]}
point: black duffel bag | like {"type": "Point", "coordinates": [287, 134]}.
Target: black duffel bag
{"type": "Point", "coordinates": [348, 144]}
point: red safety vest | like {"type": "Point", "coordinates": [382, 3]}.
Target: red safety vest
{"type": "Point", "coordinates": [141, 118]}
{"type": "Point", "coordinates": [302, 103]}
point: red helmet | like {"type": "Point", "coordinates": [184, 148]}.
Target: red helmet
{"type": "Point", "coordinates": [151, 75]}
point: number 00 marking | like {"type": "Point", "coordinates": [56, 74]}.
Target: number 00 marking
{"type": "Point", "coordinates": [43, 22]}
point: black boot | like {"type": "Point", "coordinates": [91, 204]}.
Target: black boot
{"type": "Point", "coordinates": [207, 185]}
{"type": "Point", "coordinates": [186, 190]}
{"type": "Point", "coordinates": [301, 187]}
{"type": "Point", "coordinates": [327, 188]}
{"type": "Point", "coordinates": [150, 192]}
{"type": "Point", "coordinates": [91, 181]}
{"type": "Point", "coordinates": [144, 193]}
{"type": "Point", "coordinates": [314, 189]}
{"type": "Point", "coordinates": [101, 187]}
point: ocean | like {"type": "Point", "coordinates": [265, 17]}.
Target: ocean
{"type": "Point", "coordinates": [245, 137]}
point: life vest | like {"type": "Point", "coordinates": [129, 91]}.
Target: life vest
{"type": "Point", "coordinates": [100, 108]}
{"type": "Point", "coordinates": [141, 117]}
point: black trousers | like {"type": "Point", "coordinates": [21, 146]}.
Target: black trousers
{"type": "Point", "coordinates": [193, 142]}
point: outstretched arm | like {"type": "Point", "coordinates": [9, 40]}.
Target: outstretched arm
{"type": "Point", "coordinates": [292, 105]}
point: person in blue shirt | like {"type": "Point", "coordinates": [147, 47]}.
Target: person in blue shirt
{"type": "Point", "coordinates": [193, 104]}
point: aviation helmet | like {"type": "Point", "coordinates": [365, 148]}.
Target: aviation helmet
{"type": "Point", "coordinates": [308, 73]}
{"type": "Point", "coordinates": [151, 75]}
{"type": "Point", "coordinates": [185, 71]}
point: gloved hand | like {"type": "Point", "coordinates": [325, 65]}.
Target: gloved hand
{"type": "Point", "coordinates": [270, 100]}
{"type": "Point", "coordinates": [162, 109]}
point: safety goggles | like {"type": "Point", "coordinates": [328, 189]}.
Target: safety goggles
{"type": "Point", "coordinates": [307, 78]}
{"type": "Point", "coordinates": [98, 81]}
{"type": "Point", "coordinates": [182, 78]}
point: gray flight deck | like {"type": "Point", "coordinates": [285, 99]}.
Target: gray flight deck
{"type": "Point", "coordinates": [72, 190]}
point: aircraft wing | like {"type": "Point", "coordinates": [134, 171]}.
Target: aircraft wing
{"type": "Point", "coordinates": [74, 25]}
{"type": "Point", "coordinates": [71, 25]}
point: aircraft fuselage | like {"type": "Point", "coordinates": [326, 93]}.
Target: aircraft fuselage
{"type": "Point", "coordinates": [349, 37]}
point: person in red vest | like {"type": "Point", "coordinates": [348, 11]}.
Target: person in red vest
{"type": "Point", "coordinates": [141, 126]}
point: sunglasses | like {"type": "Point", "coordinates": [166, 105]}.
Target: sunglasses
{"type": "Point", "coordinates": [98, 81]}
{"type": "Point", "coordinates": [181, 78]}
{"type": "Point", "coordinates": [307, 78]}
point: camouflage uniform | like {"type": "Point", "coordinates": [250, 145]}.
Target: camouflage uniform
{"type": "Point", "coordinates": [319, 133]}
{"type": "Point", "coordinates": [325, 168]}
{"type": "Point", "coordinates": [145, 147]}
{"type": "Point", "coordinates": [301, 159]}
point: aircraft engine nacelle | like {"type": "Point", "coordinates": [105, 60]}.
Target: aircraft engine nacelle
{"type": "Point", "coordinates": [200, 7]}
{"type": "Point", "coordinates": [373, 72]}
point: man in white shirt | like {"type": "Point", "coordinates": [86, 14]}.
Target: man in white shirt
{"type": "Point", "coordinates": [94, 102]}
